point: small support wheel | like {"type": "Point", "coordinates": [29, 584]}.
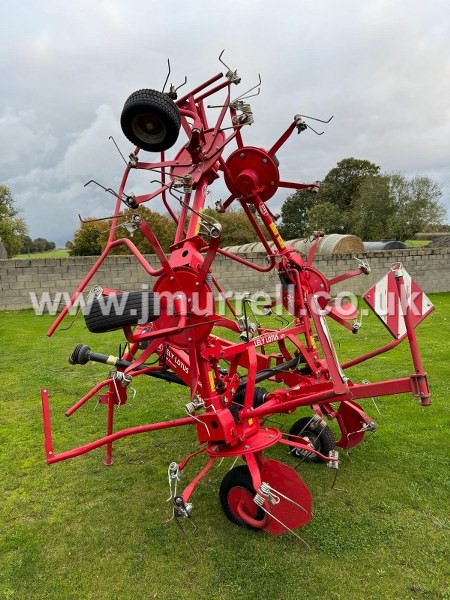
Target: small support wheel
{"type": "Point", "coordinates": [151, 120]}
{"type": "Point", "coordinates": [318, 434]}
{"type": "Point", "coordinates": [236, 497]}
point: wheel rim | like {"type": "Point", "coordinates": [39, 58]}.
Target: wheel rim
{"type": "Point", "coordinates": [149, 128]}
{"type": "Point", "coordinates": [237, 495]}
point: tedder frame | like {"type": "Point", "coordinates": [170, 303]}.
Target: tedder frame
{"type": "Point", "coordinates": [176, 324]}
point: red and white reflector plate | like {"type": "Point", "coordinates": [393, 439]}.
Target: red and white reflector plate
{"type": "Point", "coordinates": [384, 299]}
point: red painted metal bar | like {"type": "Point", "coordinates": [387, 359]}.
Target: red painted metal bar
{"type": "Point", "coordinates": [253, 467]}
{"type": "Point", "coordinates": [275, 406]}
{"type": "Point", "coordinates": [382, 388]}
{"type": "Point", "coordinates": [48, 443]}
{"type": "Point", "coordinates": [221, 116]}
{"type": "Point", "coordinates": [345, 276]}
{"type": "Point", "coordinates": [392, 387]}
{"type": "Point", "coordinates": [304, 446]}
{"type": "Point", "coordinates": [93, 270]}
{"type": "Point", "coordinates": [228, 201]}
{"type": "Point", "coordinates": [53, 458]}
{"type": "Point", "coordinates": [284, 137]}
{"type": "Point", "coordinates": [187, 493]}
{"type": "Point", "coordinates": [312, 251]}
{"type": "Point", "coordinates": [421, 377]}
{"type": "Point", "coordinates": [153, 240]}
{"type": "Point", "coordinates": [341, 320]}
{"type": "Point", "coordinates": [224, 296]}
{"type": "Point", "coordinates": [87, 397]}
{"type": "Point", "coordinates": [202, 113]}
{"type": "Point", "coordinates": [147, 197]}
{"type": "Point", "coordinates": [161, 164]}
{"type": "Point", "coordinates": [118, 206]}
{"type": "Point", "coordinates": [256, 227]}
{"type": "Point", "coordinates": [184, 462]}
{"type": "Point", "coordinates": [368, 355]}
{"type": "Point", "coordinates": [199, 88]}
{"type": "Point", "coordinates": [296, 186]}
{"type": "Point", "coordinates": [213, 90]}
{"type": "Point", "coordinates": [109, 429]}
{"type": "Point", "coordinates": [192, 115]}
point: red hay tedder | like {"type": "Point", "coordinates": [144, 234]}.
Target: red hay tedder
{"type": "Point", "coordinates": [171, 324]}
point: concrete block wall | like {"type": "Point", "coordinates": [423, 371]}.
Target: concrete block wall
{"type": "Point", "coordinates": [430, 267]}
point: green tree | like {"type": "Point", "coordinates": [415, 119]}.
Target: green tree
{"type": "Point", "coordinates": [27, 246]}
{"type": "Point", "coordinates": [294, 214]}
{"type": "Point", "coordinates": [330, 209]}
{"type": "Point", "coordinates": [373, 210]}
{"type": "Point", "coordinates": [12, 226]}
{"type": "Point", "coordinates": [341, 184]}
{"type": "Point", "coordinates": [326, 217]}
{"type": "Point", "coordinates": [162, 226]}
{"type": "Point", "coordinates": [392, 206]}
{"type": "Point", "coordinates": [91, 238]}
{"type": "Point", "coordinates": [87, 240]}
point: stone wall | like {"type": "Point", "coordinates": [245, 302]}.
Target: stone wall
{"type": "Point", "coordinates": [430, 267]}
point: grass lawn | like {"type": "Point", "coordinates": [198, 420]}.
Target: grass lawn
{"type": "Point", "coordinates": [58, 253]}
{"type": "Point", "coordinates": [417, 243]}
{"type": "Point", "coordinates": [78, 529]}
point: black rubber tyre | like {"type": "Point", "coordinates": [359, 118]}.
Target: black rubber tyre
{"type": "Point", "coordinates": [151, 120]}
{"type": "Point", "coordinates": [109, 313]}
{"type": "Point", "coordinates": [322, 439]}
{"type": "Point", "coordinates": [238, 478]}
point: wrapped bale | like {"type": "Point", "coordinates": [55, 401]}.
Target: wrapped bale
{"type": "Point", "coordinates": [335, 243]}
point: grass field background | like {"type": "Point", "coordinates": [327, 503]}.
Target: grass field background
{"type": "Point", "coordinates": [78, 529]}
{"type": "Point", "coordinates": [57, 253]}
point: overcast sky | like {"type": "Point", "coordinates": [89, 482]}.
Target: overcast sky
{"type": "Point", "coordinates": [66, 68]}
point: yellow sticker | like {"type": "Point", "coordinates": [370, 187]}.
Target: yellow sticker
{"type": "Point", "coordinates": [281, 241]}
{"type": "Point", "coordinates": [277, 235]}
{"type": "Point", "coordinates": [250, 421]}
{"type": "Point", "coordinates": [211, 381]}
{"type": "Point", "coordinates": [197, 227]}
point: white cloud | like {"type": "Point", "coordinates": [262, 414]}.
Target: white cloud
{"type": "Point", "coordinates": [382, 68]}
{"type": "Point", "coordinates": [24, 139]}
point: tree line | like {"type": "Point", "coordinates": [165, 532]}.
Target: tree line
{"type": "Point", "coordinates": [90, 239]}
{"type": "Point", "coordinates": [355, 197]}
{"type": "Point", "coordinates": [14, 230]}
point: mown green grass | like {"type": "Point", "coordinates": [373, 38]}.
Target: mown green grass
{"type": "Point", "coordinates": [78, 529]}
{"type": "Point", "coordinates": [58, 253]}
{"type": "Point", "coordinates": [417, 243]}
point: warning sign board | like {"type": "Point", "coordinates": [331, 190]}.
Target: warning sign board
{"type": "Point", "coordinates": [384, 299]}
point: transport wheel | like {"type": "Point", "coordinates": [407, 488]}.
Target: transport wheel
{"type": "Point", "coordinates": [237, 489]}
{"type": "Point", "coordinates": [151, 120]}
{"type": "Point", "coordinates": [108, 313]}
{"type": "Point", "coordinates": [319, 435]}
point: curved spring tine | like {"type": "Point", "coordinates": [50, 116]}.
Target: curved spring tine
{"type": "Point", "coordinates": [316, 119]}
{"type": "Point", "coordinates": [250, 90]}
{"type": "Point", "coordinates": [118, 149]}
{"type": "Point", "coordinates": [220, 60]}
{"type": "Point", "coordinates": [168, 75]}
